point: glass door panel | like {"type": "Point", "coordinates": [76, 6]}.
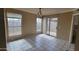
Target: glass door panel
{"type": "Point", "coordinates": [53, 26]}
{"type": "Point", "coordinates": [38, 25]}
{"type": "Point", "coordinates": [48, 26]}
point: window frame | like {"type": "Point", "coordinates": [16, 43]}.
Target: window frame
{"type": "Point", "coordinates": [14, 26]}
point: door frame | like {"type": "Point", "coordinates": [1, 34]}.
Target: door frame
{"type": "Point", "coordinates": [71, 29]}
{"type": "Point", "coordinates": [50, 24]}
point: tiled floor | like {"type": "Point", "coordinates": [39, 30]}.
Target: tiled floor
{"type": "Point", "coordinates": [39, 42]}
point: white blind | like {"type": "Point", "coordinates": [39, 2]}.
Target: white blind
{"type": "Point", "coordinates": [14, 15]}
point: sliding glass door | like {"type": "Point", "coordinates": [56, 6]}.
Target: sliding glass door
{"type": "Point", "coordinates": [51, 26]}
{"type": "Point", "coordinates": [38, 25]}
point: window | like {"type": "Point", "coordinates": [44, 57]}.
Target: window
{"type": "Point", "coordinates": [48, 26]}
{"type": "Point", "coordinates": [14, 24]}
{"type": "Point", "coordinates": [38, 24]}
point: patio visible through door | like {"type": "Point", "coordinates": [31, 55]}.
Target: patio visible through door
{"type": "Point", "coordinates": [52, 26]}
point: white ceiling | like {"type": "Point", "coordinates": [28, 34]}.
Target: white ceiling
{"type": "Point", "coordinates": [46, 11]}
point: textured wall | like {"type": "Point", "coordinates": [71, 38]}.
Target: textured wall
{"type": "Point", "coordinates": [64, 25]}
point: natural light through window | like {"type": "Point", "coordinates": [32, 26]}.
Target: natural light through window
{"type": "Point", "coordinates": [38, 24]}
{"type": "Point", "coordinates": [14, 24]}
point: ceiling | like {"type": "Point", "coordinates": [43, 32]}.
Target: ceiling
{"type": "Point", "coordinates": [46, 11]}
